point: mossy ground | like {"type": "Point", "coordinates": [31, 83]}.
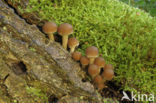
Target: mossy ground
{"type": "Point", "coordinates": [124, 35]}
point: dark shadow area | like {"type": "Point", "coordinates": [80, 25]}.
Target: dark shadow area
{"type": "Point", "coordinates": [19, 68]}
{"type": "Point", "coordinates": [53, 99]}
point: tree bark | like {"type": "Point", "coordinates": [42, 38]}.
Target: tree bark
{"type": "Point", "coordinates": [31, 71]}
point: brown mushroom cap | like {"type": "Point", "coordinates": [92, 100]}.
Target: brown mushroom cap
{"type": "Point", "coordinates": [65, 29]}
{"type": "Point", "coordinates": [108, 74]}
{"type": "Point", "coordinates": [98, 79]}
{"type": "Point", "coordinates": [76, 55]}
{"type": "Point", "coordinates": [49, 27]}
{"type": "Point", "coordinates": [93, 70]}
{"type": "Point", "coordinates": [100, 86]}
{"type": "Point", "coordinates": [109, 66]}
{"type": "Point", "coordinates": [72, 42]}
{"type": "Point", "coordinates": [84, 60]}
{"type": "Point", "coordinates": [99, 61]}
{"type": "Point", "coordinates": [92, 51]}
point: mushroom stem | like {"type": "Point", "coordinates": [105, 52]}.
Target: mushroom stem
{"type": "Point", "coordinates": [93, 76]}
{"type": "Point", "coordinates": [91, 60]}
{"type": "Point", "coordinates": [72, 50]}
{"type": "Point", "coordinates": [104, 80]}
{"type": "Point", "coordinates": [51, 37]}
{"type": "Point", "coordinates": [83, 66]}
{"type": "Point", "coordinates": [100, 68]}
{"type": "Point", "coordinates": [65, 41]}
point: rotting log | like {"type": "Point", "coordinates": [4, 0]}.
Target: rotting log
{"type": "Point", "coordinates": [30, 68]}
{"type": "Point", "coordinates": [30, 17]}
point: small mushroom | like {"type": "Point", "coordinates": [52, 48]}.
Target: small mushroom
{"type": "Point", "coordinates": [72, 43]}
{"type": "Point", "coordinates": [84, 61]}
{"type": "Point", "coordinates": [92, 52]}
{"type": "Point", "coordinates": [108, 74]}
{"type": "Point", "coordinates": [76, 55]}
{"type": "Point", "coordinates": [65, 30]}
{"type": "Point", "coordinates": [109, 66]}
{"type": "Point", "coordinates": [49, 28]}
{"type": "Point", "coordinates": [93, 70]}
{"type": "Point", "coordinates": [100, 62]}
{"type": "Point", "coordinates": [101, 86]}
{"type": "Point", "coordinates": [98, 79]}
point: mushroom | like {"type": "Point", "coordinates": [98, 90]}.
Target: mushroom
{"type": "Point", "coordinates": [84, 61]}
{"type": "Point", "coordinates": [76, 55]}
{"type": "Point", "coordinates": [100, 62]}
{"type": "Point", "coordinates": [109, 66]}
{"type": "Point", "coordinates": [92, 52]}
{"type": "Point", "coordinates": [98, 79]}
{"type": "Point", "coordinates": [93, 70]}
{"type": "Point", "coordinates": [101, 86]}
{"type": "Point", "coordinates": [65, 30]}
{"type": "Point", "coordinates": [108, 74]}
{"type": "Point", "coordinates": [72, 43]}
{"type": "Point", "coordinates": [49, 28]}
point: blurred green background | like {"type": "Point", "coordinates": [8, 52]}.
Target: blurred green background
{"type": "Point", "coordinates": [147, 5]}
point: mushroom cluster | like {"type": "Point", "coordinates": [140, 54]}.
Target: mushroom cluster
{"type": "Point", "coordinates": [95, 66]}
{"type": "Point", "coordinates": [63, 30]}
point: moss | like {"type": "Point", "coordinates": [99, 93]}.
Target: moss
{"type": "Point", "coordinates": [38, 93]}
{"type": "Point", "coordinates": [124, 35]}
